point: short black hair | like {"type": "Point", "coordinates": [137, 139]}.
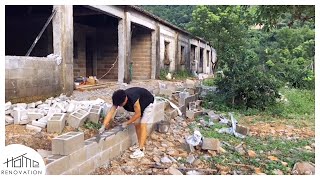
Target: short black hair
{"type": "Point", "coordinates": [118, 97]}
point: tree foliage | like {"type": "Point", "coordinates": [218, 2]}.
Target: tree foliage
{"type": "Point", "coordinates": [253, 63]}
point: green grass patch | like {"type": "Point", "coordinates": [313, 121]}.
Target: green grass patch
{"type": "Point", "coordinates": [290, 151]}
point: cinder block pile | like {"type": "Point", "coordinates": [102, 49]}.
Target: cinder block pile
{"type": "Point", "coordinates": [54, 113]}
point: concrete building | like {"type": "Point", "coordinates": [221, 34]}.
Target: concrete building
{"type": "Point", "coordinates": [88, 41]}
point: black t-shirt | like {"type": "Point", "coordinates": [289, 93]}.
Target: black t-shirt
{"type": "Point", "coordinates": [135, 93]}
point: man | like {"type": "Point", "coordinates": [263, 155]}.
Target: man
{"type": "Point", "coordinates": [137, 100]}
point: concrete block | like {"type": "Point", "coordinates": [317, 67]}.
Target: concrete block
{"type": "Point", "coordinates": [115, 151]}
{"type": "Point", "coordinates": [38, 124]}
{"type": "Point", "coordinates": [21, 105]}
{"type": "Point", "coordinates": [9, 111]}
{"type": "Point", "coordinates": [77, 157]}
{"type": "Point", "coordinates": [109, 141]}
{"type": "Point", "coordinates": [242, 130]}
{"type": "Point", "coordinates": [210, 144]}
{"type": "Point", "coordinates": [94, 113]}
{"type": "Point", "coordinates": [67, 143]}
{"type": "Point", "coordinates": [58, 165]}
{"type": "Point", "coordinates": [105, 156]}
{"type": "Point", "coordinates": [38, 103]}
{"type": "Point", "coordinates": [31, 105]}
{"type": "Point", "coordinates": [92, 148]}
{"type": "Point", "coordinates": [77, 118]}
{"type": "Point", "coordinates": [43, 106]}
{"type": "Point", "coordinates": [7, 105]}
{"type": "Point", "coordinates": [56, 123]}
{"type": "Point", "coordinates": [33, 128]}
{"type": "Point", "coordinates": [34, 115]}
{"type": "Point", "coordinates": [193, 114]}
{"type": "Point", "coordinates": [87, 167]}
{"type": "Point", "coordinates": [74, 171]}
{"type": "Point", "coordinates": [18, 114]}
{"type": "Point", "coordinates": [125, 144]}
{"type": "Point", "coordinates": [9, 119]}
{"type": "Point", "coordinates": [61, 106]}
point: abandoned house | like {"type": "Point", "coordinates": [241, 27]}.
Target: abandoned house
{"type": "Point", "coordinates": [75, 40]}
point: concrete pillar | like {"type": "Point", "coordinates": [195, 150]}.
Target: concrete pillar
{"type": "Point", "coordinates": [121, 50]}
{"type": "Point", "coordinates": [197, 56]}
{"type": "Point", "coordinates": [153, 54]}
{"type": "Point", "coordinates": [176, 59]}
{"type": "Point", "coordinates": [158, 64]}
{"type": "Point", "coordinates": [188, 57]}
{"type": "Point", "coordinates": [128, 47]}
{"type": "Point", "coordinates": [63, 44]}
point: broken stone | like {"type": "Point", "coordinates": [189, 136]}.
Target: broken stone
{"type": "Point", "coordinates": [240, 149]}
{"type": "Point", "coordinates": [191, 159]}
{"type": "Point", "coordinates": [38, 103]}
{"type": "Point", "coordinates": [173, 153]}
{"type": "Point", "coordinates": [251, 153]}
{"type": "Point", "coordinates": [156, 159]}
{"type": "Point", "coordinates": [9, 119]}
{"type": "Point", "coordinates": [178, 118]}
{"type": "Point", "coordinates": [213, 153]}
{"type": "Point", "coordinates": [174, 171]}
{"type": "Point", "coordinates": [277, 172]}
{"type": "Point", "coordinates": [7, 105]}
{"type": "Point", "coordinates": [210, 144]}
{"type": "Point", "coordinates": [33, 128]}
{"type": "Point", "coordinates": [145, 161]}
{"type": "Point", "coordinates": [22, 105]}
{"type": "Point", "coordinates": [188, 147]}
{"type": "Point", "coordinates": [34, 116]}
{"type": "Point", "coordinates": [9, 111]}
{"type": "Point", "coordinates": [194, 172]}
{"type": "Point", "coordinates": [165, 160]}
{"type": "Point", "coordinates": [308, 148]}
{"type": "Point", "coordinates": [43, 106]}
{"type": "Point", "coordinates": [31, 105]}
{"type": "Point", "coordinates": [284, 163]}
{"type": "Point", "coordinates": [303, 168]}
{"type": "Point", "coordinates": [173, 159]}
{"type": "Point", "coordinates": [242, 130]}
{"type": "Point", "coordinates": [18, 114]}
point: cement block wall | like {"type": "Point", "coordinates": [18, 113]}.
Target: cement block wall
{"type": "Point", "coordinates": [31, 77]}
{"type": "Point", "coordinates": [141, 54]}
{"type": "Point", "coordinates": [93, 154]}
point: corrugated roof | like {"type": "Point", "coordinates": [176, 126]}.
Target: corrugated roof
{"type": "Point", "coordinates": [166, 22]}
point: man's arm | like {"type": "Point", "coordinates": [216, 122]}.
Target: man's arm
{"type": "Point", "coordinates": [109, 116]}
{"type": "Point", "coordinates": [137, 112]}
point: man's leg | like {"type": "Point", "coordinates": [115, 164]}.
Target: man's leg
{"type": "Point", "coordinates": [138, 132]}
{"type": "Point", "coordinates": [143, 135]}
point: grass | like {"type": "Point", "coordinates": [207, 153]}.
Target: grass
{"type": "Point", "coordinates": [290, 151]}
{"type": "Point", "coordinates": [298, 111]}
{"type": "Point", "coordinates": [208, 82]}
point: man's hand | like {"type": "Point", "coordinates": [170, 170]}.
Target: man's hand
{"type": "Point", "coordinates": [124, 125]}
{"type": "Point", "coordinates": [102, 129]}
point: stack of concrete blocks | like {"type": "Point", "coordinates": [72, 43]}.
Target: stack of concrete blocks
{"type": "Point", "coordinates": [77, 118]}
{"type": "Point", "coordinates": [157, 116]}
{"type": "Point", "coordinates": [74, 156]}
{"type": "Point", "coordinates": [94, 113]}
{"type": "Point", "coordinates": [56, 123]}
{"type": "Point", "coordinates": [184, 103]}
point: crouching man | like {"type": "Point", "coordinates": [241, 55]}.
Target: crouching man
{"type": "Point", "coordinates": [137, 100]}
